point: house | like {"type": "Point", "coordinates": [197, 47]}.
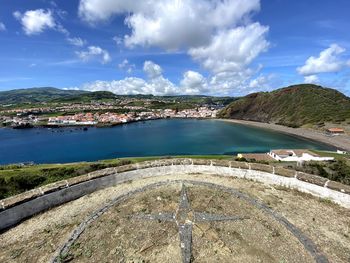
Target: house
{"type": "Point", "coordinates": [297, 156]}
{"type": "Point", "coordinates": [341, 152]}
{"type": "Point", "coordinates": [335, 131]}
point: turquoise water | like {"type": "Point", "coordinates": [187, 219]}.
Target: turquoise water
{"type": "Point", "coordinates": [151, 138]}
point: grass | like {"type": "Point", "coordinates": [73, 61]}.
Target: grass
{"type": "Point", "coordinates": [293, 106]}
{"type": "Point", "coordinates": [15, 179]}
{"type": "Point", "coordinates": [332, 154]}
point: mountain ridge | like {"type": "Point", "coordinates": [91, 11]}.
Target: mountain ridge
{"type": "Point", "coordinates": [36, 95]}
{"type": "Point", "coordinates": [50, 94]}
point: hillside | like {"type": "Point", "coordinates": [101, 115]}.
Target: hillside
{"type": "Point", "coordinates": [35, 95]}
{"type": "Point", "coordinates": [87, 97]}
{"type": "Point", "coordinates": [292, 106]}
{"type": "Point", "coordinates": [48, 95]}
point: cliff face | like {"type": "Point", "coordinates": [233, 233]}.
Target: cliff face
{"type": "Point", "coordinates": [292, 106]}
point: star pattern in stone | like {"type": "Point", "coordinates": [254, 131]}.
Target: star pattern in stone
{"type": "Point", "coordinates": [185, 218]}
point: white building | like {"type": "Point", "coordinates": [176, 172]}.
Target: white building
{"type": "Point", "coordinates": [297, 156]}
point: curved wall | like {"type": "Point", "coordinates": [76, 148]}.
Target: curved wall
{"type": "Point", "coordinates": [17, 208]}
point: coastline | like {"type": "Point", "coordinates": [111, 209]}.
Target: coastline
{"type": "Point", "coordinates": [99, 125]}
{"type": "Point", "coordinates": [341, 142]}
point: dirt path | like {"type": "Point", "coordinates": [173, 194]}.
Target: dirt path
{"type": "Point", "coordinates": [340, 141]}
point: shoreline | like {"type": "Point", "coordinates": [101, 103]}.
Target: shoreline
{"type": "Point", "coordinates": [98, 125]}
{"type": "Point", "coordinates": [341, 142]}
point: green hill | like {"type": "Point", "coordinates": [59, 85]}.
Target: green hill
{"type": "Point", "coordinates": [35, 95]}
{"type": "Point", "coordinates": [54, 95]}
{"type": "Point", "coordinates": [292, 106]}
{"type": "Point", "coordinates": [87, 97]}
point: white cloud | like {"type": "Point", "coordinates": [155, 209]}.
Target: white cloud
{"type": "Point", "coordinates": [262, 82]}
{"type": "Point", "coordinates": [132, 86]}
{"type": "Point", "coordinates": [76, 41]}
{"type": "Point", "coordinates": [233, 49]}
{"type": "Point", "coordinates": [327, 61]}
{"type": "Point", "coordinates": [2, 27]}
{"type": "Point", "coordinates": [218, 34]}
{"type": "Point", "coordinates": [193, 83]}
{"type": "Point", "coordinates": [152, 70]}
{"type": "Point", "coordinates": [125, 65]}
{"type": "Point", "coordinates": [311, 79]}
{"type": "Point", "coordinates": [170, 24]}
{"type": "Point", "coordinates": [35, 21]}
{"type": "Point", "coordinates": [94, 52]}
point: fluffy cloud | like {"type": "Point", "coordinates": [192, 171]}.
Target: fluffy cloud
{"type": "Point", "coordinates": [170, 24]}
{"type": "Point", "coordinates": [218, 34]}
{"type": "Point", "coordinates": [2, 27]}
{"type": "Point", "coordinates": [327, 61]}
{"type": "Point", "coordinates": [133, 86]}
{"type": "Point", "coordinates": [311, 79]}
{"type": "Point", "coordinates": [262, 82]}
{"type": "Point", "coordinates": [192, 83]}
{"type": "Point", "coordinates": [152, 70]}
{"type": "Point", "coordinates": [233, 49]}
{"type": "Point", "coordinates": [94, 52]}
{"type": "Point", "coordinates": [35, 21]}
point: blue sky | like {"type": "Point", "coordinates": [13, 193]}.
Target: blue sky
{"type": "Point", "coordinates": [230, 47]}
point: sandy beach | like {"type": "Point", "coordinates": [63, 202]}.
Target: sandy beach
{"type": "Point", "coordinates": [340, 141]}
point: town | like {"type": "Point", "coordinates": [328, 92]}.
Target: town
{"type": "Point", "coordinates": [95, 114]}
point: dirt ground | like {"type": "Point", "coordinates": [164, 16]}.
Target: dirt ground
{"type": "Point", "coordinates": [117, 237]}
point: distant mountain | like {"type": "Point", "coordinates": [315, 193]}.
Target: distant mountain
{"type": "Point", "coordinates": [48, 94]}
{"type": "Point", "coordinates": [292, 106]}
{"type": "Point", "coordinates": [88, 96]}
{"type": "Point", "coordinates": [36, 95]}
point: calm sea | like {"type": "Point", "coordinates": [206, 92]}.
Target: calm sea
{"type": "Point", "coordinates": [151, 138]}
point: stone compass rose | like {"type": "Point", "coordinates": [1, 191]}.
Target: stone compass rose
{"type": "Point", "coordinates": [185, 218]}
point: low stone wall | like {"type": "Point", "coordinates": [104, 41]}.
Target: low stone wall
{"type": "Point", "coordinates": [14, 209]}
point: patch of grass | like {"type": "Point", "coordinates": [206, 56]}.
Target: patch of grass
{"type": "Point", "coordinates": [332, 154]}
{"type": "Point", "coordinates": [15, 179]}
{"type": "Point", "coordinates": [326, 200]}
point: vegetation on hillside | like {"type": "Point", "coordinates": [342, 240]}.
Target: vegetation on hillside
{"type": "Point", "coordinates": [35, 95]}
{"type": "Point", "coordinates": [293, 106]}
{"type": "Point", "coordinates": [88, 97]}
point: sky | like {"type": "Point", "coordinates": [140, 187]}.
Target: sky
{"type": "Point", "coordinates": [167, 47]}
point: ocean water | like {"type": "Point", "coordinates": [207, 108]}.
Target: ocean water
{"type": "Point", "coordinates": [150, 138]}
